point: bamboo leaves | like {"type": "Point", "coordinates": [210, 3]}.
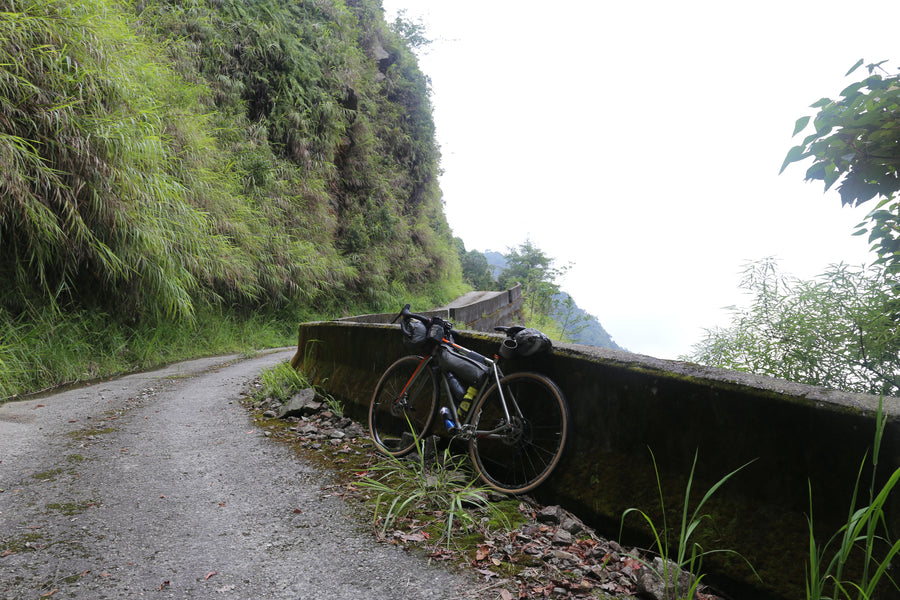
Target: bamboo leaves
{"type": "Point", "coordinates": [212, 153]}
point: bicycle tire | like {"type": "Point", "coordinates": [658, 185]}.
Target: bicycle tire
{"type": "Point", "coordinates": [397, 423]}
{"type": "Point", "coordinates": [519, 461]}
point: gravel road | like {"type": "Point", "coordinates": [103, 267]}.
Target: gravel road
{"type": "Point", "coordinates": [157, 485]}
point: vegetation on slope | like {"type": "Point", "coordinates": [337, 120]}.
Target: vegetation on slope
{"type": "Point", "coordinates": [174, 164]}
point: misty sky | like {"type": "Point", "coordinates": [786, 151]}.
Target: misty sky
{"type": "Point", "coordinates": [642, 141]}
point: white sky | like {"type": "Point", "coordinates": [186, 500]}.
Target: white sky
{"type": "Point", "coordinates": [641, 141]}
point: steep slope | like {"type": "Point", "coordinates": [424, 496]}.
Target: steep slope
{"type": "Point", "coordinates": [253, 155]}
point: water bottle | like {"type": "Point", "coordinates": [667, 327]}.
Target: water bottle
{"type": "Point", "coordinates": [466, 403]}
{"type": "Point", "coordinates": [456, 388]}
{"type": "Point", "coordinates": [448, 420]}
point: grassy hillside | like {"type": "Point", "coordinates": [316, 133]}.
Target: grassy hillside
{"type": "Point", "coordinates": [170, 166]}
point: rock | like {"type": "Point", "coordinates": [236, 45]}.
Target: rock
{"type": "Point", "coordinates": [572, 525]}
{"type": "Point", "coordinates": [651, 580]}
{"type": "Point", "coordinates": [562, 538]}
{"type": "Point", "coordinates": [269, 414]}
{"type": "Point", "coordinates": [552, 515]}
{"type": "Point", "coordinates": [355, 430]}
{"type": "Point", "coordinates": [301, 403]}
{"type": "Point", "coordinates": [599, 571]}
{"type": "Point", "coordinates": [563, 555]}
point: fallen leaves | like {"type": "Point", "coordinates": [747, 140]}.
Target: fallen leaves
{"type": "Point", "coordinates": [483, 552]}
{"type": "Point", "coordinates": [418, 536]}
{"type": "Point", "coordinates": [441, 553]}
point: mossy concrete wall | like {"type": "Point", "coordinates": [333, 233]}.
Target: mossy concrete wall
{"type": "Point", "coordinates": [624, 406]}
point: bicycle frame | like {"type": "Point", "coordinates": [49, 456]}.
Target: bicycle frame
{"type": "Point", "coordinates": [517, 424]}
{"type": "Point", "coordinates": [466, 429]}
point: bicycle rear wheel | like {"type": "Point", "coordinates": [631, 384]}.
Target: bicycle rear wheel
{"type": "Point", "coordinates": [403, 406]}
{"type": "Point", "coordinates": [516, 456]}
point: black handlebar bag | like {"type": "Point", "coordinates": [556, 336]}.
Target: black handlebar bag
{"type": "Point", "coordinates": [415, 335]}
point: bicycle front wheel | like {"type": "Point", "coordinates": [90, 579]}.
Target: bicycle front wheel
{"type": "Point", "coordinates": [403, 406]}
{"type": "Point", "coordinates": [517, 454]}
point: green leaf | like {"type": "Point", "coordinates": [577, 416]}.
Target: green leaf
{"type": "Point", "coordinates": [794, 154]}
{"type": "Point", "coordinates": [811, 137]}
{"type": "Point", "coordinates": [820, 103]}
{"type": "Point", "coordinates": [852, 89]}
{"type": "Point", "coordinates": [832, 174]}
{"type": "Point", "coordinates": [854, 67]}
{"type": "Point", "coordinates": [800, 125]}
{"type": "Point", "coordinates": [817, 171]}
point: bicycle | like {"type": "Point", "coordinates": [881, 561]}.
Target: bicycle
{"type": "Point", "coordinates": [515, 425]}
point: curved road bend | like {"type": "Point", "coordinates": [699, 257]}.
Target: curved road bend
{"type": "Point", "coordinates": [156, 485]}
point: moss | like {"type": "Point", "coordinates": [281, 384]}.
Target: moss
{"type": "Point", "coordinates": [48, 475]}
{"type": "Point", "coordinates": [83, 434]}
{"type": "Point", "coordinates": [22, 543]}
{"type": "Point", "coordinates": [71, 509]}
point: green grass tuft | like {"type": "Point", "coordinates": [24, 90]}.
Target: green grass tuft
{"type": "Point", "coordinates": [445, 490]}
{"type": "Point", "coordinates": [864, 540]}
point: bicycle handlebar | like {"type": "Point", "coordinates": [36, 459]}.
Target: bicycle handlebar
{"type": "Point", "coordinates": [407, 314]}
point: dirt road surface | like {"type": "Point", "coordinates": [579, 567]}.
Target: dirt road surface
{"type": "Point", "coordinates": [157, 485]}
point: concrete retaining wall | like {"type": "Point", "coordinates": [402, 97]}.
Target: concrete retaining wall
{"type": "Point", "coordinates": [624, 406]}
{"type": "Point", "coordinates": [497, 308]}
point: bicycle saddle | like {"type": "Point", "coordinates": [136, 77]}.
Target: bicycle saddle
{"type": "Point", "coordinates": [510, 331]}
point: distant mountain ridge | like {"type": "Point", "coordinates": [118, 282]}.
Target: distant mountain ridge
{"type": "Point", "coordinates": [593, 334]}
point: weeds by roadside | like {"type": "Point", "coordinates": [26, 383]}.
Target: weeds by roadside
{"type": "Point", "coordinates": [680, 562]}
{"type": "Point", "coordinates": [50, 349]}
{"type": "Point", "coordinates": [864, 538]}
{"type": "Point", "coordinates": [442, 486]}
{"type": "Point", "coordinates": [281, 382]}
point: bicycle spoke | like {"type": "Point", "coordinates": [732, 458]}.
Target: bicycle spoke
{"type": "Point", "coordinates": [522, 455]}
{"type": "Point", "coordinates": [398, 419]}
